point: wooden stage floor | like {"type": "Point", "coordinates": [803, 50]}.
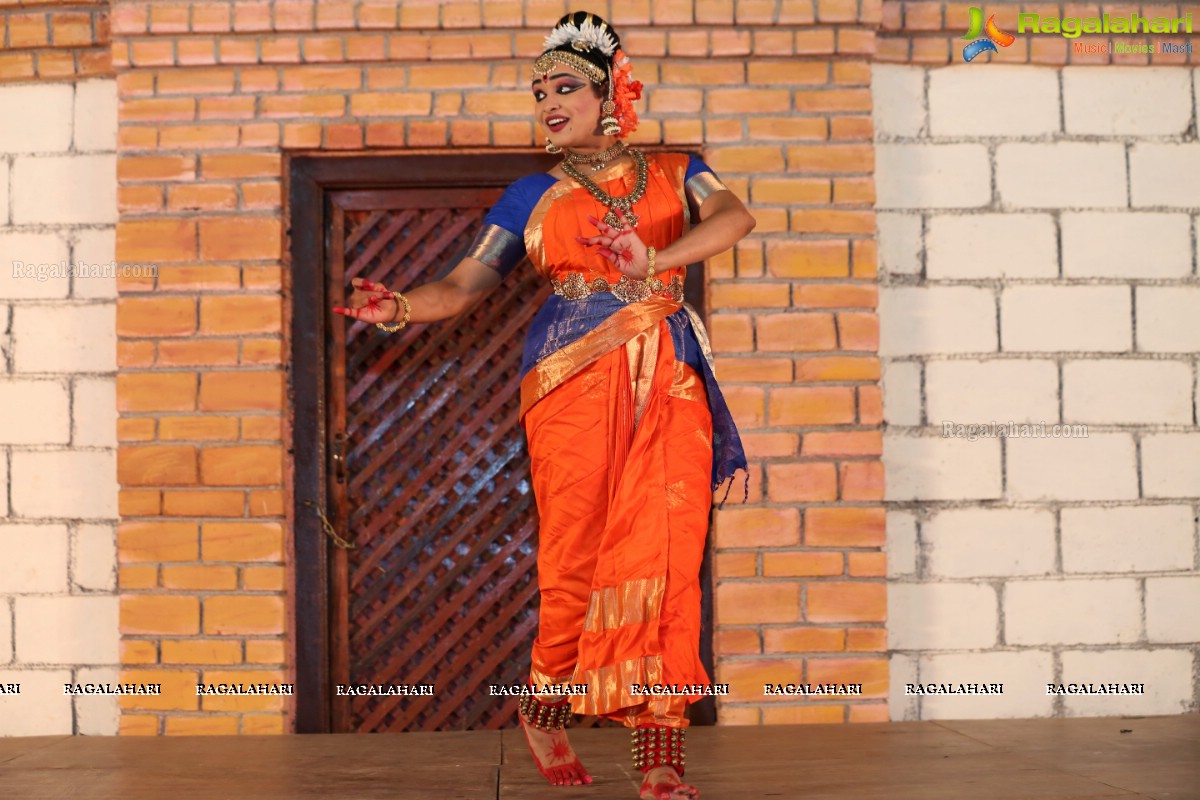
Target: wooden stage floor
{"type": "Point", "coordinates": [1137, 757]}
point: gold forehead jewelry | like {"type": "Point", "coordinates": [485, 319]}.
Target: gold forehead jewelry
{"type": "Point", "coordinates": [546, 61]}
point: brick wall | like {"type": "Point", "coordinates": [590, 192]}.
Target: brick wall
{"type": "Point", "coordinates": [53, 40]}
{"type": "Point", "coordinates": [213, 95]}
{"type": "Point", "coordinates": [58, 607]}
{"type": "Point", "coordinates": [1039, 264]}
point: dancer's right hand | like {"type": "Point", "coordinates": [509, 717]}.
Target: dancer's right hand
{"type": "Point", "coordinates": [370, 302]}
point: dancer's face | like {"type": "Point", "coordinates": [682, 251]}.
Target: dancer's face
{"type": "Point", "coordinates": [568, 93]}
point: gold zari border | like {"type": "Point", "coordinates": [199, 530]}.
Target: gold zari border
{"type": "Point", "coordinates": [613, 332]}
{"type": "Point", "coordinates": [609, 686]}
{"type": "Point", "coordinates": [632, 603]}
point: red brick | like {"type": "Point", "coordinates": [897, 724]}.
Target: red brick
{"type": "Point", "coordinates": [157, 541]}
{"type": "Point", "coordinates": [794, 333]}
{"type": "Point", "coordinates": [846, 601]}
{"type": "Point", "coordinates": [242, 465]}
{"type": "Point", "coordinates": [160, 614]}
{"type": "Point", "coordinates": [757, 602]}
{"type": "Point", "coordinates": [238, 238]}
{"type": "Point", "coordinates": [872, 673]}
{"type": "Point", "coordinates": [808, 258]}
{"type": "Point", "coordinates": [203, 503]}
{"type": "Point", "coordinates": [841, 158]}
{"type": "Point", "coordinates": [156, 391]}
{"type": "Point", "coordinates": [152, 241]}
{"type": "Point", "coordinates": [862, 480]}
{"type": "Point", "coordinates": [837, 368]}
{"type": "Point", "coordinates": [811, 405]}
{"type": "Point", "coordinates": [200, 428]}
{"type": "Point", "coordinates": [842, 443]}
{"type": "Point", "coordinates": [757, 527]}
{"type": "Point", "coordinates": [800, 564]}
{"type": "Point", "coordinates": [241, 391]}
{"type": "Point", "coordinates": [156, 168]}
{"type": "Point", "coordinates": [240, 314]}
{"type": "Point", "coordinates": [156, 316]}
{"type": "Point", "coordinates": [198, 352]}
{"type": "Point", "coordinates": [156, 465]}
{"type": "Point", "coordinates": [804, 640]}
{"type": "Point", "coordinates": [242, 541]}
{"type": "Point", "coordinates": [859, 331]}
{"type": "Point", "coordinates": [837, 295]}
{"type": "Point", "coordinates": [804, 482]}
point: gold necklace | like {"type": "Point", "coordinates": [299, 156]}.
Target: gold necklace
{"type": "Point", "coordinates": [597, 160]}
{"type": "Point", "coordinates": [624, 203]}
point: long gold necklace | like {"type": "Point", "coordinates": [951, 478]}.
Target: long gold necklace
{"type": "Point", "coordinates": [624, 203]}
{"type": "Point", "coordinates": [598, 161]}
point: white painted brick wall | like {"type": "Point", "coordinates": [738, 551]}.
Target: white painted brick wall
{"type": "Point", "coordinates": [1170, 609]}
{"type": "Point", "coordinates": [1167, 319]}
{"type": "Point", "coordinates": [1141, 392]}
{"type": "Point", "coordinates": [993, 390]}
{"type": "Point", "coordinates": [957, 319]}
{"type": "Point", "coordinates": [1171, 464]}
{"type": "Point", "coordinates": [58, 600]}
{"type": "Point", "coordinates": [41, 709]}
{"type": "Point", "coordinates": [1113, 244]}
{"type": "Point", "coordinates": [1023, 674]}
{"type": "Point", "coordinates": [936, 468]}
{"type": "Point", "coordinates": [932, 176]}
{"type": "Point", "coordinates": [1040, 266]}
{"type": "Point", "coordinates": [1046, 319]}
{"type": "Point", "coordinates": [981, 246]}
{"type": "Point", "coordinates": [1061, 175]}
{"type": "Point", "coordinates": [1118, 101]}
{"type": "Point", "coordinates": [899, 243]}
{"type": "Point", "coordinates": [1128, 538]}
{"type": "Point", "coordinates": [1166, 673]}
{"type": "Point", "coordinates": [1160, 174]}
{"type": "Point", "coordinates": [1056, 612]}
{"type": "Point", "coordinates": [955, 108]}
{"type": "Point", "coordinates": [902, 380]}
{"type": "Point", "coordinates": [984, 542]}
{"type": "Point", "coordinates": [941, 616]}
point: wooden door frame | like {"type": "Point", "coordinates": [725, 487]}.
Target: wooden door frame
{"type": "Point", "coordinates": [310, 179]}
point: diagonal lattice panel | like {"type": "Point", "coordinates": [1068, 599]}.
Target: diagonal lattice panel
{"type": "Point", "coordinates": [442, 579]}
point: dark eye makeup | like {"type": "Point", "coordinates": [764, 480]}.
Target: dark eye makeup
{"type": "Point", "coordinates": [571, 86]}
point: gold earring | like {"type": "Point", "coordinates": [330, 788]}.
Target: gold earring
{"type": "Point", "coordinates": [551, 147]}
{"type": "Point", "coordinates": [611, 124]}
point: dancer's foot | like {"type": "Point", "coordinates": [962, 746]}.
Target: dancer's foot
{"type": "Point", "coordinates": [554, 757]}
{"type": "Point", "coordinates": [664, 783]}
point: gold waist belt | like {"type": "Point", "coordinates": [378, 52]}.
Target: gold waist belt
{"type": "Point", "coordinates": [626, 290]}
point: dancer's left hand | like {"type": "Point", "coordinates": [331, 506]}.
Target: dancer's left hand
{"type": "Point", "coordinates": [621, 246]}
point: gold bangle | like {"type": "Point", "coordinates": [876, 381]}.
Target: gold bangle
{"type": "Point", "coordinates": [650, 252]}
{"type": "Point", "coordinates": [401, 323]}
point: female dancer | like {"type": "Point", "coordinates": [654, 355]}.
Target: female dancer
{"type": "Point", "coordinates": [628, 432]}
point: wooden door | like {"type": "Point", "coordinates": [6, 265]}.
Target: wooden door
{"type": "Point", "coordinates": [420, 565]}
{"type": "Point", "coordinates": [440, 587]}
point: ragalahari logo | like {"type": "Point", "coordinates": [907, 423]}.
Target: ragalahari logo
{"type": "Point", "coordinates": [992, 35]}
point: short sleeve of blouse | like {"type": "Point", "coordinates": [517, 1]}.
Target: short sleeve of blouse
{"type": "Point", "coordinates": [500, 242]}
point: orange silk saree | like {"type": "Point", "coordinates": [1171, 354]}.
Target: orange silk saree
{"type": "Point", "coordinates": [618, 401]}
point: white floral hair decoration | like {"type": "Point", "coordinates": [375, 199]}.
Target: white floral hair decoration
{"type": "Point", "coordinates": [588, 32]}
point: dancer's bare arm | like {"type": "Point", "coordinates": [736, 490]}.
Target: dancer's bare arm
{"type": "Point", "coordinates": [466, 285]}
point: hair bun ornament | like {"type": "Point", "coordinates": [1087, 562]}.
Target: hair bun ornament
{"type": "Point", "coordinates": [625, 91]}
{"type": "Point", "coordinates": [582, 37]}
